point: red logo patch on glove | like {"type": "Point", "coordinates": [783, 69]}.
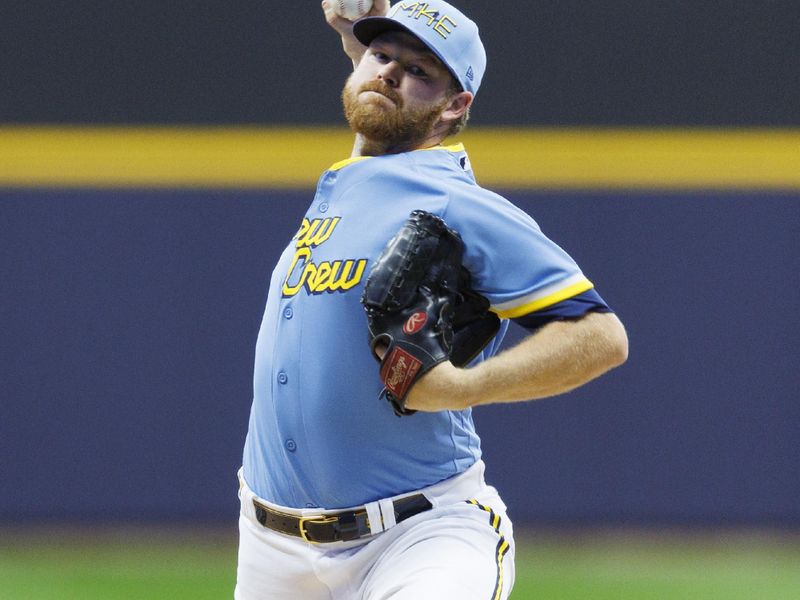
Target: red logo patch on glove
{"type": "Point", "coordinates": [398, 371]}
{"type": "Point", "coordinates": [415, 322]}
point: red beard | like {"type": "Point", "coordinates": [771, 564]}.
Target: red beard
{"type": "Point", "coordinates": [390, 126]}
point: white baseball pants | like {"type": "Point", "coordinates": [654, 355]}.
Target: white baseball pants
{"type": "Point", "coordinates": [461, 549]}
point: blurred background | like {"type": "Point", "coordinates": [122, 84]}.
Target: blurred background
{"type": "Point", "coordinates": [155, 158]}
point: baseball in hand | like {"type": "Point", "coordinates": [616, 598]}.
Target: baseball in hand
{"type": "Point", "coordinates": [351, 9]}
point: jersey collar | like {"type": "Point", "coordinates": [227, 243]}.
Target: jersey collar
{"type": "Point", "coordinates": [348, 161]}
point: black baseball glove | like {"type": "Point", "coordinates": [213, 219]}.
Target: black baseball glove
{"type": "Point", "coordinates": [421, 308]}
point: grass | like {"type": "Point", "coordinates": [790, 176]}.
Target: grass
{"type": "Point", "coordinates": [628, 567]}
{"type": "Point", "coordinates": [125, 565]}
{"type": "Point", "coordinates": [120, 565]}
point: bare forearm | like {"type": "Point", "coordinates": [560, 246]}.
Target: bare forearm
{"type": "Point", "coordinates": [562, 356]}
{"type": "Point", "coordinates": [558, 358]}
{"type": "Point", "coordinates": [352, 47]}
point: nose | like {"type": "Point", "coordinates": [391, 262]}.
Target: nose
{"type": "Point", "coordinates": [389, 73]}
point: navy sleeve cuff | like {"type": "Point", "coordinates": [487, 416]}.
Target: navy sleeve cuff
{"type": "Point", "coordinates": [572, 308]}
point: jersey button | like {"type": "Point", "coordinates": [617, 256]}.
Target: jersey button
{"type": "Point", "coordinates": [291, 445]}
{"type": "Point", "coordinates": [283, 378]}
{"type": "Point", "coordinates": [288, 312]}
{"type": "Point", "coordinates": [323, 207]}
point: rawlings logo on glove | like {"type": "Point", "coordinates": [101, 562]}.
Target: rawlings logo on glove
{"type": "Point", "coordinates": [420, 307]}
{"type": "Point", "coordinates": [415, 323]}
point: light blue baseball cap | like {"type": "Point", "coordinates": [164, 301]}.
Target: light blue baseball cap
{"type": "Point", "coordinates": [448, 32]}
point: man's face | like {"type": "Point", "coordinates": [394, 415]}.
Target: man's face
{"type": "Point", "coordinates": [398, 91]}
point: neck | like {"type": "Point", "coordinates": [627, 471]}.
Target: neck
{"type": "Point", "coordinates": [364, 146]}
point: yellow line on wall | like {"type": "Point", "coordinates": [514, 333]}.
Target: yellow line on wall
{"type": "Point", "coordinates": [154, 156]}
{"type": "Point", "coordinates": [647, 158]}
{"type": "Point", "coordinates": [285, 157]}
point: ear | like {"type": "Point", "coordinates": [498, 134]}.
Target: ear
{"type": "Point", "coordinates": [459, 104]}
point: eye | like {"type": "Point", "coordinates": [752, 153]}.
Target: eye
{"type": "Point", "coordinates": [380, 56]}
{"type": "Point", "coordinates": [416, 71]}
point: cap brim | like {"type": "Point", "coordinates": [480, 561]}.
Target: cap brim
{"type": "Point", "coordinates": [368, 28]}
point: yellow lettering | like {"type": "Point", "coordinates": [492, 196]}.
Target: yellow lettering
{"type": "Point", "coordinates": [303, 228]}
{"type": "Point", "coordinates": [403, 6]}
{"type": "Point", "coordinates": [441, 26]}
{"type": "Point", "coordinates": [324, 232]}
{"type": "Point", "coordinates": [321, 278]}
{"type": "Point", "coordinates": [304, 240]}
{"type": "Point", "coordinates": [303, 254]}
{"type": "Point", "coordinates": [335, 284]}
{"type": "Point", "coordinates": [309, 274]}
{"type": "Point", "coordinates": [316, 232]}
{"type": "Point", "coordinates": [423, 11]}
{"type": "Point", "coordinates": [327, 276]}
{"type": "Point", "coordinates": [343, 282]}
{"type": "Point", "coordinates": [336, 276]}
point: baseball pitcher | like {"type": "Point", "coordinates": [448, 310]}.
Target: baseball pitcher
{"type": "Point", "coordinates": [362, 475]}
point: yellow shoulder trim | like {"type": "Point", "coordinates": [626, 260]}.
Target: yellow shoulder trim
{"type": "Point", "coordinates": [347, 161]}
{"type": "Point", "coordinates": [563, 294]}
{"type": "Point", "coordinates": [459, 147]}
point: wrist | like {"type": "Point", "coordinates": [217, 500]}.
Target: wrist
{"type": "Point", "coordinates": [353, 49]}
{"type": "Point", "coordinates": [445, 387]}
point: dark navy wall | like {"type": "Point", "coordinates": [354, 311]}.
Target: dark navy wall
{"type": "Point", "coordinates": [702, 422]}
{"type": "Point", "coordinates": [129, 320]}
{"type": "Point", "coordinates": [571, 62]}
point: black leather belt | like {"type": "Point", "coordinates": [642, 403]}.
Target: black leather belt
{"type": "Point", "coordinates": [337, 527]}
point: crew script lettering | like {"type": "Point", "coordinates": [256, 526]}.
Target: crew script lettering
{"type": "Point", "coordinates": [326, 276]}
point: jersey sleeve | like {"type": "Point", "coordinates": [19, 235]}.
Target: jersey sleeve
{"type": "Point", "coordinates": [572, 308]}
{"type": "Point", "coordinates": [516, 266]}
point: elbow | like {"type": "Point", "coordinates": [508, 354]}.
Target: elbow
{"type": "Point", "coordinates": [617, 342]}
{"type": "Point", "coordinates": [610, 341]}
{"type": "Point", "coordinates": [619, 352]}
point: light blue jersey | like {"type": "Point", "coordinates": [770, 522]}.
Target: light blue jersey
{"type": "Point", "coordinates": [319, 435]}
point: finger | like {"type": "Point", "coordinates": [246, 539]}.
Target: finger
{"type": "Point", "coordinates": [340, 24]}
{"type": "Point", "coordinates": [379, 8]}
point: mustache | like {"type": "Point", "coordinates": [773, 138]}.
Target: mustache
{"type": "Point", "coordinates": [382, 88]}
